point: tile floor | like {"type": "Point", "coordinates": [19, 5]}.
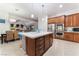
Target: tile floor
{"type": "Point", "coordinates": [59, 48]}
{"type": "Point", "coordinates": [11, 49]}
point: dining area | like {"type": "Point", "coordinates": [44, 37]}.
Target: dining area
{"type": "Point", "coordinates": [8, 36]}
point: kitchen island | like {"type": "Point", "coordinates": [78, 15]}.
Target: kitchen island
{"type": "Point", "coordinates": [37, 43]}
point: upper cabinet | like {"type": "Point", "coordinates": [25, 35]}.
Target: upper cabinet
{"type": "Point", "coordinates": [72, 20]}
{"type": "Point", "coordinates": [76, 20]}
{"type": "Point", "coordinates": [51, 20]}
{"type": "Point", "coordinates": [56, 20]}
{"type": "Point", "coordinates": [69, 21]}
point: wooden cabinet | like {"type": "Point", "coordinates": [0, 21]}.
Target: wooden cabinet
{"type": "Point", "coordinates": [46, 42]}
{"type": "Point", "coordinates": [60, 19]}
{"type": "Point", "coordinates": [69, 21]}
{"type": "Point", "coordinates": [30, 46]}
{"type": "Point", "coordinates": [38, 46]}
{"type": "Point", "coordinates": [76, 37]}
{"type": "Point", "coordinates": [69, 36]}
{"type": "Point", "coordinates": [72, 20]}
{"type": "Point", "coordinates": [76, 20]}
{"type": "Point", "coordinates": [56, 20]}
{"type": "Point", "coordinates": [51, 20]}
{"type": "Point", "coordinates": [51, 40]}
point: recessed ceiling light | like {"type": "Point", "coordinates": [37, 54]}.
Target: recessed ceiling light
{"type": "Point", "coordinates": [60, 5]}
{"type": "Point", "coordinates": [32, 15]}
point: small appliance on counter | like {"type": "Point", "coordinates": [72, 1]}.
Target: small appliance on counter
{"type": "Point", "coordinates": [75, 29]}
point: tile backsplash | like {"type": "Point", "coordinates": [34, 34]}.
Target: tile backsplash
{"type": "Point", "coordinates": [68, 28]}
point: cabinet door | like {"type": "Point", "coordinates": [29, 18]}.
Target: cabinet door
{"type": "Point", "coordinates": [39, 46]}
{"type": "Point", "coordinates": [51, 21]}
{"type": "Point", "coordinates": [77, 20]}
{"type": "Point", "coordinates": [69, 21]}
{"type": "Point", "coordinates": [76, 37]}
{"type": "Point", "coordinates": [69, 36]}
{"type": "Point", "coordinates": [39, 52]}
{"type": "Point", "coordinates": [30, 46]}
{"type": "Point", "coordinates": [51, 39]}
{"type": "Point", "coordinates": [47, 42]}
{"type": "Point", "coordinates": [56, 20]}
{"type": "Point", "coordinates": [73, 20]}
{"type": "Point", "coordinates": [61, 19]}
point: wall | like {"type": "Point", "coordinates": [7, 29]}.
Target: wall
{"type": "Point", "coordinates": [42, 23]}
{"type": "Point", "coordinates": [24, 21]}
{"type": "Point", "coordinates": [4, 26]}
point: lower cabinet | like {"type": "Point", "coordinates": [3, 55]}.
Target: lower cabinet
{"type": "Point", "coordinates": [76, 37]}
{"type": "Point", "coordinates": [47, 42]}
{"type": "Point", "coordinates": [30, 46]}
{"type": "Point", "coordinates": [51, 40]}
{"type": "Point", "coordinates": [71, 36]}
{"type": "Point", "coordinates": [38, 46]}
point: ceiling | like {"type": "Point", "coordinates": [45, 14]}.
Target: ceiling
{"type": "Point", "coordinates": [26, 9]}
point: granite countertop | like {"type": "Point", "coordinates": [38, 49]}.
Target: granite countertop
{"type": "Point", "coordinates": [35, 34]}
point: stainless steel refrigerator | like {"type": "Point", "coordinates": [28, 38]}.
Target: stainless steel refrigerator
{"type": "Point", "coordinates": [57, 29]}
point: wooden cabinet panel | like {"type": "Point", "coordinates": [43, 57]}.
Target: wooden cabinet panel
{"type": "Point", "coordinates": [56, 20]}
{"type": "Point", "coordinates": [76, 20]}
{"type": "Point", "coordinates": [30, 45]}
{"type": "Point", "coordinates": [51, 20]}
{"type": "Point", "coordinates": [68, 21]}
{"type": "Point", "coordinates": [76, 37]}
{"type": "Point", "coordinates": [47, 42]}
{"type": "Point", "coordinates": [60, 19]}
{"type": "Point", "coordinates": [69, 36]}
{"type": "Point", "coordinates": [72, 20]}
{"type": "Point", "coordinates": [40, 43]}
{"type": "Point", "coordinates": [39, 52]}
{"type": "Point", "coordinates": [38, 46]}
{"type": "Point", "coordinates": [51, 39]}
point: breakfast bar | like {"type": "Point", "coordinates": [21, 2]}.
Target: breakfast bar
{"type": "Point", "coordinates": [37, 43]}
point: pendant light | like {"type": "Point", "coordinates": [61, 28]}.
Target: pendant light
{"type": "Point", "coordinates": [44, 11]}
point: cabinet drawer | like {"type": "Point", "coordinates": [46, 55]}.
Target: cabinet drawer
{"type": "Point", "coordinates": [47, 37]}
{"type": "Point", "coordinates": [39, 47]}
{"type": "Point", "coordinates": [40, 43]}
{"type": "Point", "coordinates": [69, 36]}
{"type": "Point", "coordinates": [76, 37]}
{"type": "Point", "coordinates": [40, 39]}
{"type": "Point", "coordinates": [47, 45]}
{"type": "Point", "coordinates": [40, 52]}
{"type": "Point", "coordinates": [51, 39]}
{"type": "Point", "coordinates": [50, 43]}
